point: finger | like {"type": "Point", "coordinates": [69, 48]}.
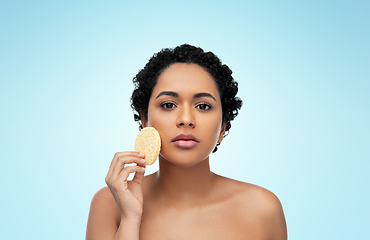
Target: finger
{"type": "Point", "coordinates": [130, 158]}
{"type": "Point", "coordinates": [117, 156]}
{"type": "Point", "coordinates": [120, 164]}
{"type": "Point", "coordinates": [113, 162]}
{"type": "Point", "coordinates": [121, 180]}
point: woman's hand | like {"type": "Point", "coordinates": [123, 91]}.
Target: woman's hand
{"type": "Point", "coordinates": [128, 194]}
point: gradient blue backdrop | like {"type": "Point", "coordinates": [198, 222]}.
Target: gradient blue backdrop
{"type": "Point", "coordinates": [303, 132]}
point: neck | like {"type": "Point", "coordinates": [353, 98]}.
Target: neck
{"type": "Point", "coordinates": [184, 186]}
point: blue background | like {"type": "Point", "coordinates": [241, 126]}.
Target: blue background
{"type": "Point", "coordinates": [303, 132]}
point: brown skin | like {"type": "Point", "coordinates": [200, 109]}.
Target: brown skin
{"type": "Point", "coordinates": [184, 199]}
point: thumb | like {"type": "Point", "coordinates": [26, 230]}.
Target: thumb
{"type": "Point", "coordinates": [139, 176]}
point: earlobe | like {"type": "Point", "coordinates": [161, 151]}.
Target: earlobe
{"type": "Point", "coordinates": [222, 132]}
{"type": "Point", "coordinates": [143, 119]}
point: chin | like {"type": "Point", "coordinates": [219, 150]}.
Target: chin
{"type": "Point", "coordinates": [183, 161]}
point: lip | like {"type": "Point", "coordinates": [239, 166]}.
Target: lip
{"type": "Point", "coordinates": [185, 141]}
{"type": "Point", "coordinates": [185, 137]}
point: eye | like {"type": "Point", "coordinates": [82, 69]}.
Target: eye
{"type": "Point", "coordinates": [203, 106]}
{"type": "Point", "coordinates": [168, 105]}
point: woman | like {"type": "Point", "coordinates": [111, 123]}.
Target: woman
{"type": "Point", "coordinates": [190, 98]}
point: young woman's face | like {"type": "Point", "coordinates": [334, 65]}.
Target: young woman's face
{"type": "Point", "coordinates": [185, 108]}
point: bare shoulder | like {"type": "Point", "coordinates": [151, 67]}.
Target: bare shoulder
{"type": "Point", "coordinates": [244, 189]}
{"type": "Point", "coordinates": [252, 203]}
{"type": "Point", "coordinates": [263, 200]}
{"type": "Point", "coordinates": [266, 209]}
{"type": "Point", "coordinates": [102, 194]}
{"type": "Point", "coordinates": [104, 200]}
{"type": "Point", "coordinates": [104, 216]}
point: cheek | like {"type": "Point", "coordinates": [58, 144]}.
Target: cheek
{"type": "Point", "coordinates": [157, 118]}
{"type": "Point", "coordinates": [212, 127]}
{"type": "Point", "coordinates": [161, 122]}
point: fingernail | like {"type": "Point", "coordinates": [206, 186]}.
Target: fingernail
{"type": "Point", "coordinates": [141, 154]}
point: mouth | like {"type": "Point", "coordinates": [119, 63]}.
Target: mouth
{"type": "Point", "coordinates": [185, 137]}
{"type": "Point", "coordinates": [185, 141]}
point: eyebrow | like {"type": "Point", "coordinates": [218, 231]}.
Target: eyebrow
{"type": "Point", "coordinates": [175, 94]}
{"type": "Point", "coordinates": [203, 94]}
{"type": "Point", "coordinates": [168, 93]}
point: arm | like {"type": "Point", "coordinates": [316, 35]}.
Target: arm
{"type": "Point", "coordinates": [261, 213]}
{"type": "Point", "coordinates": [277, 222]}
{"type": "Point", "coordinates": [115, 211]}
{"type": "Point", "coordinates": [104, 220]}
{"type": "Point", "coordinates": [128, 229]}
{"type": "Point", "coordinates": [273, 216]}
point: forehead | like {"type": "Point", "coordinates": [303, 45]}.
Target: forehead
{"type": "Point", "coordinates": [186, 78]}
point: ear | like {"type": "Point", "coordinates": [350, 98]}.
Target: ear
{"type": "Point", "coordinates": [222, 132]}
{"type": "Point", "coordinates": [143, 119]}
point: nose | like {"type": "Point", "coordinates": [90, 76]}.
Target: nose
{"type": "Point", "coordinates": [185, 118]}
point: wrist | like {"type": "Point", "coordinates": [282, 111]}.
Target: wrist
{"type": "Point", "coordinates": [129, 228]}
{"type": "Point", "coordinates": [130, 219]}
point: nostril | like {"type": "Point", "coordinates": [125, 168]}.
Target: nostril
{"type": "Point", "coordinates": [190, 124]}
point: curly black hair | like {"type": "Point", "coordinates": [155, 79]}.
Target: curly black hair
{"type": "Point", "coordinates": [147, 77]}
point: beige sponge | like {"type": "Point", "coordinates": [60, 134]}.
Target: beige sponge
{"type": "Point", "coordinates": [148, 142]}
